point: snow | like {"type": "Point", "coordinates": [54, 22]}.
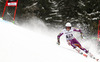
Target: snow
{"type": "Point", "coordinates": [58, 20]}
{"type": "Point", "coordinates": [59, 15]}
{"type": "Point", "coordinates": [54, 2]}
{"type": "Point", "coordinates": [0, 19]}
{"type": "Point", "coordinates": [1, 1]}
{"type": "Point", "coordinates": [94, 18]}
{"type": "Point", "coordinates": [49, 1]}
{"type": "Point", "coordinates": [18, 44]}
{"type": "Point", "coordinates": [53, 14]}
{"type": "Point", "coordinates": [48, 18]}
{"type": "Point", "coordinates": [27, 7]}
{"type": "Point", "coordinates": [81, 3]}
{"type": "Point", "coordinates": [79, 14]}
{"type": "Point", "coordinates": [94, 13]}
{"type": "Point", "coordinates": [55, 10]}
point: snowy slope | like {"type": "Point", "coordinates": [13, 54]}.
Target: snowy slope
{"type": "Point", "coordinates": [18, 44]}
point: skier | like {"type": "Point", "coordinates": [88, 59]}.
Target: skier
{"type": "Point", "coordinates": [68, 31]}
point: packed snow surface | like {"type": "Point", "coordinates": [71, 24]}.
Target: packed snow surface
{"type": "Point", "coordinates": [18, 44]}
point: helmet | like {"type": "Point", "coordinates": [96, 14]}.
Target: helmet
{"type": "Point", "coordinates": [68, 25]}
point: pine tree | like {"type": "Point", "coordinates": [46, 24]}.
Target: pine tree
{"type": "Point", "coordinates": [54, 15]}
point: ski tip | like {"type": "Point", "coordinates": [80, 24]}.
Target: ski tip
{"type": "Point", "coordinates": [97, 59]}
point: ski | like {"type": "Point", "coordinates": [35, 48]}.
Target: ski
{"type": "Point", "coordinates": [95, 59]}
{"type": "Point", "coordinates": [87, 55]}
{"type": "Point", "coordinates": [81, 53]}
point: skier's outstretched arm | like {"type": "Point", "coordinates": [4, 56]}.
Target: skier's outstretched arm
{"type": "Point", "coordinates": [78, 30]}
{"type": "Point", "coordinates": [58, 38]}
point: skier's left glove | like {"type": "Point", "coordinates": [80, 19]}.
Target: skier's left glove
{"type": "Point", "coordinates": [81, 35]}
{"type": "Point", "coordinates": [69, 43]}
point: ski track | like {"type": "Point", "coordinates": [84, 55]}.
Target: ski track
{"type": "Point", "coordinates": [18, 44]}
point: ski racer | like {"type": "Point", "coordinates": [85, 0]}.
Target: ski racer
{"type": "Point", "coordinates": [68, 32]}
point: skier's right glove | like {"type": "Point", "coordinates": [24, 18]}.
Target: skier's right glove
{"type": "Point", "coordinates": [58, 43]}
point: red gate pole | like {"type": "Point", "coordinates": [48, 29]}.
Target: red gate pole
{"type": "Point", "coordinates": [4, 9]}
{"type": "Point", "coordinates": [15, 13]}
{"type": "Point", "coordinates": [99, 31]}
{"type": "Point", "coordinates": [11, 4]}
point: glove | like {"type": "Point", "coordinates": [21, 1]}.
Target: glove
{"type": "Point", "coordinates": [69, 43]}
{"type": "Point", "coordinates": [81, 35]}
{"type": "Point", "coordinates": [58, 43]}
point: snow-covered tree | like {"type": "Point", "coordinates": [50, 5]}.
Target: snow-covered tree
{"type": "Point", "coordinates": [54, 15]}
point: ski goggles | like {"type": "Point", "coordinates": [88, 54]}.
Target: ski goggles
{"type": "Point", "coordinates": [68, 27]}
